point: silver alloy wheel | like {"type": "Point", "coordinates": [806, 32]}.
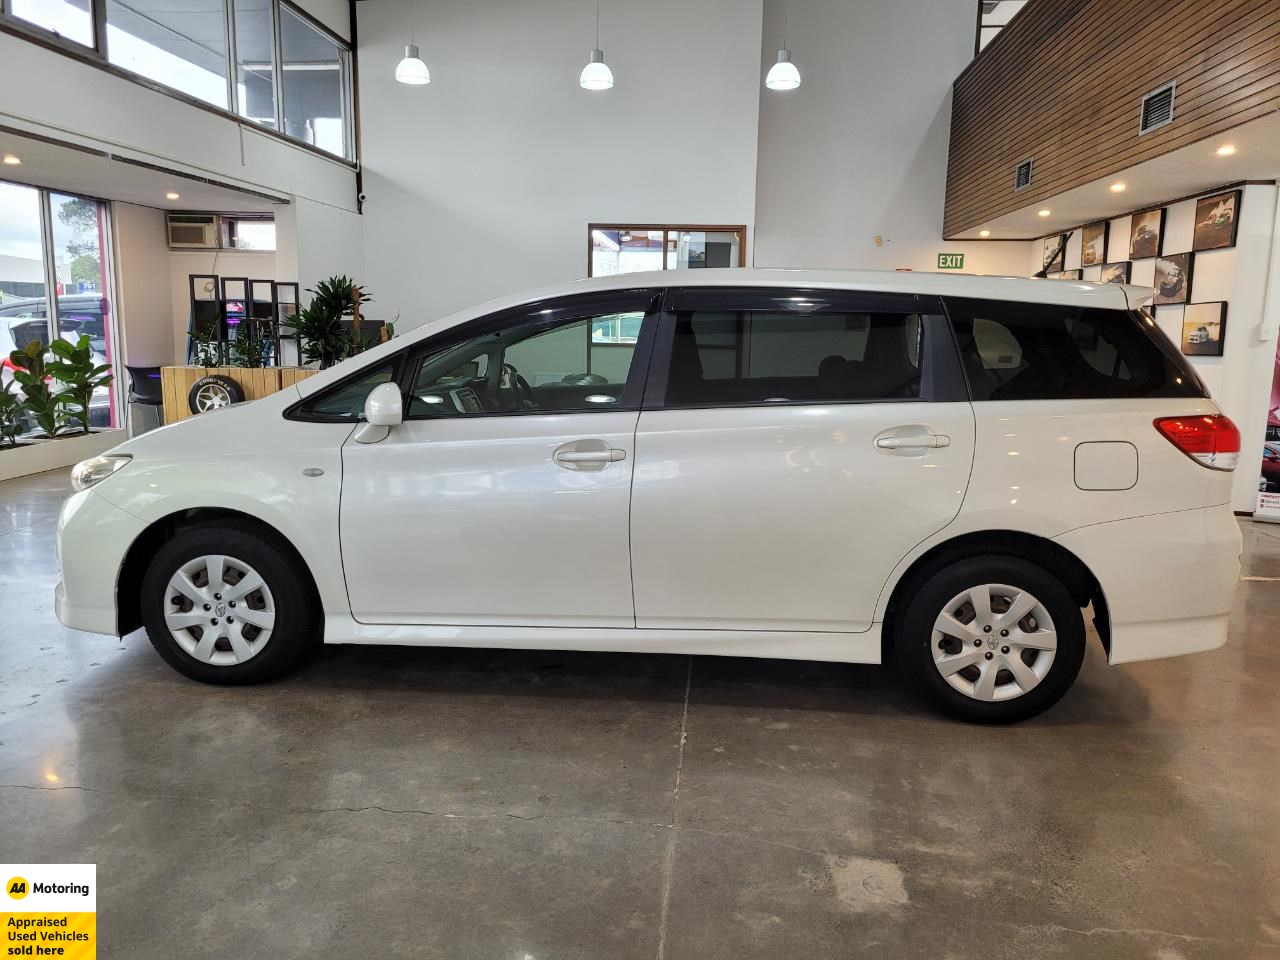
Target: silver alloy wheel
{"type": "Point", "coordinates": [212, 396]}
{"type": "Point", "coordinates": [994, 642]}
{"type": "Point", "coordinates": [219, 610]}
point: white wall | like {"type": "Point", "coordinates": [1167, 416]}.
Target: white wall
{"type": "Point", "coordinates": [143, 308]}
{"type": "Point", "coordinates": [860, 149]}
{"type": "Point", "coordinates": [315, 241]}
{"type": "Point", "coordinates": [1239, 380]}
{"type": "Point", "coordinates": [483, 182]}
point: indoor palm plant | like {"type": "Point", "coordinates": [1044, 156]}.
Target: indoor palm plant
{"type": "Point", "coordinates": [325, 338]}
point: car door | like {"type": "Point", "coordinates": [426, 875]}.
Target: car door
{"type": "Point", "coordinates": [794, 446]}
{"type": "Point", "coordinates": [503, 497]}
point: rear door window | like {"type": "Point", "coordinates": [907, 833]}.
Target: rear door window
{"type": "Point", "coordinates": [1037, 351]}
{"type": "Point", "coordinates": [736, 348]}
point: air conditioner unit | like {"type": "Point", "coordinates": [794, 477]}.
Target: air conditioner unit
{"type": "Point", "coordinates": [192, 231]}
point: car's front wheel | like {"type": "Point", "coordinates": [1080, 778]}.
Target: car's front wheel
{"type": "Point", "coordinates": [992, 639]}
{"type": "Point", "coordinates": [223, 603]}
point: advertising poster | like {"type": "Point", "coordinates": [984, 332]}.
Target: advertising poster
{"type": "Point", "coordinates": [1269, 481]}
{"type": "Point", "coordinates": [50, 910]}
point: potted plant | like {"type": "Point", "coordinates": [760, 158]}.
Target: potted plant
{"type": "Point", "coordinates": [39, 400]}
{"type": "Point", "coordinates": [73, 366]}
{"type": "Point", "coordinates": [324, 337]}
{"type": "Point", "coordinates": [10, 415]}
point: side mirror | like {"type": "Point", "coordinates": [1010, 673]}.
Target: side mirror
{"type": "Point", "coordinates": [384, 407]}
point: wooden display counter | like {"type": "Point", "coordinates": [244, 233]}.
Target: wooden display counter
{"type": "Point", "coordinates": [256, 382]}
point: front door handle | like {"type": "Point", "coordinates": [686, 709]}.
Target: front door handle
{"type": "Point", "coordinates": [590, 456]}
{"type": "Point", "coordinates": [904, 443]}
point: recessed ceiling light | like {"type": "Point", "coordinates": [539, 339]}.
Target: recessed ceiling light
{"type": "Point", "coordinates": [173, 196]}
{"type": "Point", "coordinates": [11, 160]}
{"type": "Point", "coordinates": [1045, 213]}
{"type": "Point", "coordinates": [984, 233]}
{"type": "Point", "coordinates": [1118, 187]}
{"type": "Point", "coordinates": [1226, 150]}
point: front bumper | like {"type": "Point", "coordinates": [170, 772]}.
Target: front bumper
{"type": "Point", "coordinates": [1169, 579]}
{"type": "Point", "coordinates": [93, 538]}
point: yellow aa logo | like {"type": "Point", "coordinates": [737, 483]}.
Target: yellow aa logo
{"type": "Point", "coordinates": [17, 888]}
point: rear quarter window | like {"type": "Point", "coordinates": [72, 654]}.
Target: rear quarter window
{"type": "Point", "coordinates": [1038, 351]}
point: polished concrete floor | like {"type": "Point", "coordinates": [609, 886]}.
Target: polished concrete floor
{"type": "Point", "coordinates": [454, 804]}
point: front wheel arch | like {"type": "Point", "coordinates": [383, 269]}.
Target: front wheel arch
{"type": "Point", "coordinates": [144, 547]}
{"type": "Point", "coordinates": [1070, 569]}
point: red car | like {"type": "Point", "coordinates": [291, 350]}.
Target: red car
{"type": "Point", "coordinates": [1271, 465]}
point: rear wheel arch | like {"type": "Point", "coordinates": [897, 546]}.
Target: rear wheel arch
{"type": "Point", "coordinates": [1053, 557]}
{"type": "Point", "coordinates": [147, 543]}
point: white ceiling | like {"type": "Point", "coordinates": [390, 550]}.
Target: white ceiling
{"type": "Point", "coordinates": [1193, 169]}
{"type": "Point", "coordinates": [74, 170]}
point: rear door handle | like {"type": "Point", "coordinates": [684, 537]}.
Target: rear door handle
{"type": "Point", "coordinates": [904, 443]}
{"type": "Point", "coordinates": [590, 456]}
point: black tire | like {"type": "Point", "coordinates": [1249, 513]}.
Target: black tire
{"type": "Point", "coordinates": [215, 385]}
{"type": "Point", "coordinates": [935, 588]}
{"type": "Point", "coordinates": [296, 631]}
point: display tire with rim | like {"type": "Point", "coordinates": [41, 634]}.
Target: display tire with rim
{"type": "Point", "coordinates": [990, 639]}
{"type": "Point", "coordinates": [213, 392]}
{"type": "Point", "coordinates": [227, 603]}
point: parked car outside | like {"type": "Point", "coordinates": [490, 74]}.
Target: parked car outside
{"type": "Point", "coordinates": [786, 464]}
{"type": "Point", "coordinates": [22, 321]}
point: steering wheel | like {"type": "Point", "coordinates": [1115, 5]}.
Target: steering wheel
{"type": "Point", "coordinates": [523, 392]}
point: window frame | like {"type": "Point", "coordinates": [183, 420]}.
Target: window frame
{"type": "Point", "coordinates": [111, 280]}
{"type": "Point", "coordinates": [553, 312]}
{"type": "Point", "coordinates": [941, 375]}
{"type": "Point", "coordinates": [668, 229]}
{"type": "Point", "coordinates": [96, 55]}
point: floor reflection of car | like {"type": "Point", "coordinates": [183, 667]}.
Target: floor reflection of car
{"type": "Point", "coordinates": [22, 321]}
{"type": "Point", "coordinates": [1198, 335]}
{"type": "Point", "coordinates": [1271, 465]}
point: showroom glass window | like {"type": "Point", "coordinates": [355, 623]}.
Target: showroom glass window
{"type": "Point", "coordinates": [262, 60]}
{"type": "Point", "coordinates": [314, 95]}
{"type": "Point", "coordinates": [61, 289]}
{"type": "Point", "coordinates": [727, 357]}
{"type": "Point", "coordinates": [70, 19]}
{"type": "Point", "coordinates": [255, 61]}
{"type": "Point", "coordinates": [180, 43]}
{"type": "Point", "coordinates": [623, 248]}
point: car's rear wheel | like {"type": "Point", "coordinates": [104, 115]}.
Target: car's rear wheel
{"type": "Point", "coordinates": [223, 603]}
{"type": "Point", "coordinates": [991, 639]}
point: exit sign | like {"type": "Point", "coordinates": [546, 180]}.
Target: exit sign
{"type": "Point", "coordinates": [951, 261]}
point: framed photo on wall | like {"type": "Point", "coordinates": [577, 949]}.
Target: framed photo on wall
{"type": "Point", "coordinates": [1053, 253]}
{"type": "Point", "coordinates": [1067, 275]}
{"type": "Point", "coordinates": [1173, 277]}
{"type": "Point", "coordinates": [1204, 329]}
{"type": "Point", "coordinates": [1145, 233]}
{"type": "Point", "coordinates": [1216, 221]}
{"type": "Point", "coordinates": [1093, 244]}
{"type": "Point", "coordinates": [1115, 272]}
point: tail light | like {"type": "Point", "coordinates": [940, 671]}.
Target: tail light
{"type": "Point", "coordinates": [1211, 440]}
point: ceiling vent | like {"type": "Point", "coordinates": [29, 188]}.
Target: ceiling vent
{"type": "Point", "coordinates": [1022, 176]}
{"type": "Point", "coordinates": [1157, 109]}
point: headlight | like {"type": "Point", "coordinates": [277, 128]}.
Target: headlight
{"type": "Point", "coordinates": [88, 472]}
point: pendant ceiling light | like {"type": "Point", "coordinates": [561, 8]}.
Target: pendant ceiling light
{"type": "Point", "coordinates": [596, 75]}
{"type": "Point", "coordinates": [411, 69]}
{"type": "Point", "coordinates": [783, 75]}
